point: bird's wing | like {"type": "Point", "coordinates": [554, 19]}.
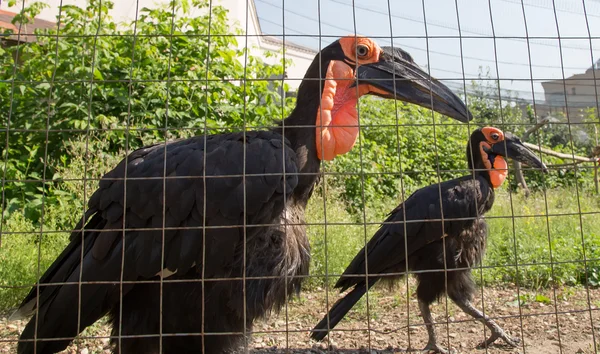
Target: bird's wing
{"type": "Point", "coordinates": [387, 250]}
{"type": "Point", "coordinates": [251, 176]}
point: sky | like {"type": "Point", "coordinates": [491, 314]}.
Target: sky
{"type": "Point", "coordinates": [463, 38]}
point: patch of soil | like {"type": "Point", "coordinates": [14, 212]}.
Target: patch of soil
{"type": "Point", "coordinates": [549, 321]}
{"type": "Point", "coordinates": [564, 320]}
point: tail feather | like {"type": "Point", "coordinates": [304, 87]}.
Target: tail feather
{"type": "Point", "coordinates": [70, 310]}
{"type": "Point", "coordinates": [60, 269]}
{"type": "Point", "coordinates": [339, 310]}
{"type": "Point", "coordinates": [58, 325]}
{"type": "Point", "coordinates": [71, 305]}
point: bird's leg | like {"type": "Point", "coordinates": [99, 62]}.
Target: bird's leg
{"type": "Point", "coordinates": [497, 332]}
{"type": "Point", "coordinates": [432, 344]}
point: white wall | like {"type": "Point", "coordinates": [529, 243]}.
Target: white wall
{"type": "Point", "coordinates": [125, 11]}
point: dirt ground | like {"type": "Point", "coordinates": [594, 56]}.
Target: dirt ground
{"type": "Point", "coordinates": [565, 320]}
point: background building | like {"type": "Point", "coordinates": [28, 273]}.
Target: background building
{"type": "Point", "coordinates": [574, 95]}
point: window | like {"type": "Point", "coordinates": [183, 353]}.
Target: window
{"type": "Point", "coordinates": [573, 91]}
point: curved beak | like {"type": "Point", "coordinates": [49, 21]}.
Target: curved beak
{"type": "Point", "coordinates": [396, 76]}
{"type": "Point", "coordinates": [513, 148]}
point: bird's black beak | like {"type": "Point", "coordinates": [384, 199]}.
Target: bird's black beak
{"type": "Point", "coordinates": [513, 148]}
{"type": "Point", "coordinates": [396, 76]}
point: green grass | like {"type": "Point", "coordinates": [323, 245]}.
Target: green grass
{"type": "Point", "coordinates": [539, 250]}
{"type": "Point", "coordinates": [21, 251]}
{"type": "Point", "coordinates": [335, 237]}
{"type": "Point", "coordinates": [529, 246]}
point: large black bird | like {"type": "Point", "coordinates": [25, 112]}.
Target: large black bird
{"type": "Point", "coordinates": [444, 229]}
{"type": "Point", "coordinates": [210, 235]}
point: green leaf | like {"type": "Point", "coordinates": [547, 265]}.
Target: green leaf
{"type": "Point", "coordinates": [43, 86]}
{"type": "Point", "coordinates": [543, 299]}
{"type": "Point", "coordinates": [98, 74]}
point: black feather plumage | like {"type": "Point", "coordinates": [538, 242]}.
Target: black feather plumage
{"type": "Point", "coordinates": [439, 233]}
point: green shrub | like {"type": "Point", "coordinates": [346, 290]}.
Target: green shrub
{"type": "Point", "coordinates": [399, 145]}
{"type": "Point", "coordinates": [99, 80]}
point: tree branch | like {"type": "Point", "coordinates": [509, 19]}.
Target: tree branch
{"type": "Point", "coordinates": [535, 128]}
{"type": "Point", "coordinates": [577, 159]}
{"type": "Point", "coordinates": [559, 154]}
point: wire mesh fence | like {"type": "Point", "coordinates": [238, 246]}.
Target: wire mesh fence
{"type": "Point", "coordinates": [205, 176]}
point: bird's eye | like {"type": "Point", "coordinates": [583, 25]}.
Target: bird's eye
{"type": "Point", "coordinates": [495, 136]}
{"type": "Point", "coordinates": [362, 51]}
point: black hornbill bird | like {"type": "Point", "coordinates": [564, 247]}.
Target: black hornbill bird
{"type": "Point", "coordinates": [214, 224]}
{"type": "Point", "coordinates": [439, 227]}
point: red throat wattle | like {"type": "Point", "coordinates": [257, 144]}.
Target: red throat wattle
{"type": "Point", "coordinates": [337, 118]}
{"type": "Point", "coordinates": [498, 171]}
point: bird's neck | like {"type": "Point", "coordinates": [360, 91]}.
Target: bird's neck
{"type": "Point", "coordinates": [324, 123]}
{"type": "Point", "coordinates": [299, 126]}
{"type": "Point", "coordinates": [485, 193]}
{"type": "Point", "coordinates": [299, 129]}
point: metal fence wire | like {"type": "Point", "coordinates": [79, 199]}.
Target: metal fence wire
{"type": "Point", "coordinates": [206, 176]}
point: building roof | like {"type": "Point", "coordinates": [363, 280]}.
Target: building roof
{"type": "Point", "coordinates": [596, 66]}
{"type": "Point", "coordinates": [287, 44]}
{"type": "Point", "coordinates": [21, 32]}
{"type": "Point", "coordinates": [275, 40]}
{"type": "Point", "coordinates": [589, 74]}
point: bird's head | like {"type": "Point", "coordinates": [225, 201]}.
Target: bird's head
{"type": "Point", "coordinates": [489, 146]}
{"type": "Point", "coordinates": [354, 66]}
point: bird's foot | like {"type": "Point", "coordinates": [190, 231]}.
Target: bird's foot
{"type": "Point", "coordinates": [511, 341]}
{"type": "Point", "coordinates": [436, 348]}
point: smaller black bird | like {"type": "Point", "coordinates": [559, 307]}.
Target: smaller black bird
{"type": "Point", "coordinates": [443, 237]}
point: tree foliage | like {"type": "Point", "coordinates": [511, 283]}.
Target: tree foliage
{"type": "Point", "coordinates": [160, 77]}
{"type": "Point", "coordinates": [170, 74]}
